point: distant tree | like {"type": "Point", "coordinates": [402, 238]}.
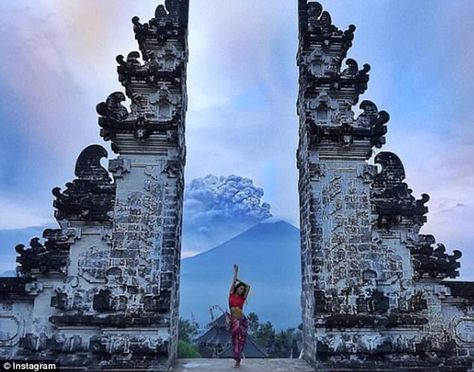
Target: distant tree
{"type": "Point", "coordinates": [284, 342]}
{"type": "Point", "coordinates": [253, 323]}
{"type": "Point", "coordinates": [187, 350]}
{"type": "Point", "coordinates": [265, 334]}
{"type": "Point", "coordinates": [187, 330]}
{"type": "Point", "coordinates": [277, 349]}
{"type": "Point", "coordinates": [281, 344]}
{"type": "Point", "coordinates": [294, 349]}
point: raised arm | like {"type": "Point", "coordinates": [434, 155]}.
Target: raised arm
{"type": "Point", "coordinates": [247, 290]}
{"type": "Point", "coordinates": [234, 279]}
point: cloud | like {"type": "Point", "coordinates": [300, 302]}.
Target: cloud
{"type": "Point", "coordinates": [215, 208]}
{"type": "Point", "coordinates": [212, 198]}
{"type": "Point", "coordinates": [17, 215]}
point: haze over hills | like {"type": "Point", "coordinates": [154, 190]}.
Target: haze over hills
{"type": "Point", "coordinates": [268, 256]}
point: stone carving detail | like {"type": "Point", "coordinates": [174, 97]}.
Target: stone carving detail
{"type": "Point", "coordinates": [18, 288]}
{"type": "Point", "coordinates": [125, 344]}
{"type": "Point", "coordinates": [154, 87]}
{"type": "Point", "coordinates": [393, 200]}
{"type": "Point", "coordinates": [162, 64]}
{"type": "Point", "coordinates": [430, 260]}
{"type": "Point", "coordinates": [90, 197]}
{"type": "Point", "coordinates": [316, 25]}
{"type": "Point", "coordinates": [119, 166]}
{"type": "Point", "coordinates": [330, 90]}
{"type": "Point", "coordinates": [465, 330]}
{"type": "Point", "coordinates": [10, 329]}
{"type": "Point", "coordinates": [170, 21]}
{"type": "Point", "coordinates": [317, 171]}
{"type": "Point", "coordinates": [112, 109]}
{"type": "Point", "coordinates": [92, 264]}
{"type": "Point", "coordinates": [138, 227]}
{"type": "Point", "coordinates": [70, 296]}
{"type": "Point", "coordinates": [164, 104]}
{"type": "Point", "coordinates": [172, 169]}
{"type": "Point", "coordinates": [58, 343]}
{"type": "Point", "coordinates": [345, 129]}
{"type": "Point", "coordinates": [52, 256]}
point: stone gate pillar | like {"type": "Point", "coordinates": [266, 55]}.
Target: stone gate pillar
{"type": "Point", "coordinates": [335, 178]}
{"type": "Point", "coordinates": [373, 294]}
{"type": "Point", "coordinates": [143, 267]}
{"type": "Point", "coordinates": [102, 291]}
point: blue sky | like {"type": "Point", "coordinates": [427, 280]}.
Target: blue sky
{"type": "Point", "coordinates": [58, 62]}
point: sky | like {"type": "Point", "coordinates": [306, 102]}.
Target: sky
{"type": "Point", "coordinates": [58, 62]}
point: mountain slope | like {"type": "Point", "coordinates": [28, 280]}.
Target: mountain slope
{"type": "Point", "coordinates": [268, 256]}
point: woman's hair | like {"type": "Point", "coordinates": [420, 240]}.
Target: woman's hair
{"type": "Point", "coordinates": [239, 284]}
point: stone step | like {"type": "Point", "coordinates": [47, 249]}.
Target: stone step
{"type": "Point", "coordinates": [247, 365]}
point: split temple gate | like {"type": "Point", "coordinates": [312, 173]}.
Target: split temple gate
{"type": "Point", "coordinates": [374, 294]}
{"type": "Point", "coordinates": [102, 291]}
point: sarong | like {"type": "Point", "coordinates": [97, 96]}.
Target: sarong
{"type": "Point", "coordinates": [238, 332]}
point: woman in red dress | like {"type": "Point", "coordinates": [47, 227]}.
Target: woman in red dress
{"type": "Point", "coordinates": [238, 322]}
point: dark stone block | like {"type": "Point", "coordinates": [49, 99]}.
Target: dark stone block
{"type": "Point", "coordinates": [151, 303]}
{"type": "Point", "coordinates": [55, 344]}
{"type": "Point", "coordinates": [14, 287]}
{"type": "Point", "coordinates": [169, 243]}
{"type": "Point", "coordinates": [322, 351]}
{"type": "Point", "coordinates": [320, 304]}
{"type": "Point", "coordinates": [102, 301]}
{"type": "Point", "coordinates": [96, 346]}
{"type": "Point", "coordinates": [114, 271]}
{"type": "Point", "coordinates": [423, 346]}
{"type": "Point", "coordinates": [378, 303]}
{"type": "Point", "coordinates": [59, 301]}
{"type": "Point", "coordinates": [121, 321]}
{"type": "Point", "coordinates": [30, 342]}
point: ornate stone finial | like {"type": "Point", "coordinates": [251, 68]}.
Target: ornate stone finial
{"type": "Point", "coordinates": [328, 90]}
{"type": "Point", "coordinates": [391, 196]}
{"type": "Point", "coordinates": [316, 27]}
{"type": "Point", "coordinates": [41, 259]}
{"type": "Point", "coordinates": [91, 196]}
{"type": "Point", "coordinates": [88, 165]}
{"type": "Point", "coordinates": [375, 121]}
{"type": "Point", "coordinates": [392, 173]}
{"type": "Point", "coordinates": [160, 12]}
{"type": "Point", "coordinates": [170, 21]}
{"type": "Point", "coordinates": [430, 260]}
{"type": "Point", "coordinates": [112, 109]}
{"type": "Point", "coordinates": [154, 83]}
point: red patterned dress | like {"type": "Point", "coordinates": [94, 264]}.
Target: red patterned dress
{"type": "Point", "coordinates": [238, 327]}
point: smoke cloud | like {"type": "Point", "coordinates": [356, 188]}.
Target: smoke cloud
{"type": "Point", "coordinates": [217, 208]}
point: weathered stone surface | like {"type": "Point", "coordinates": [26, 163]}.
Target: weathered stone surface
{"type": "Point", "coordinates": [372, 290]}
{"type": "Point", "coordinates": [102, 291]}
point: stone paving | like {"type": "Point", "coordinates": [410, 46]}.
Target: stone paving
{"type": "Point", "coordinates": [248, 365]}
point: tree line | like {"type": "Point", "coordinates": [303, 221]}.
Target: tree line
{"type": "Point", "coordinates": [276, 343]}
